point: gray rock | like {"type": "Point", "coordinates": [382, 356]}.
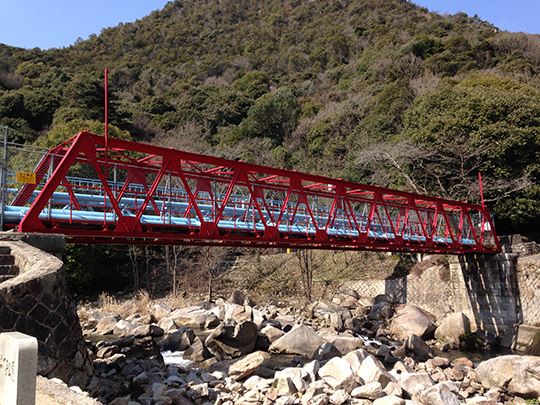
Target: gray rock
{"type": "Point", "coordinates": [408, 320]}
{"type": "Point", "coordinates": [194, 317]}
{"type": "Point", "coordinates": [242, 313]}
{"type": "Point", "coordinates": [233, 340]}
{"type": "Point", "coordinates": [414, 383]}
{"type": "Point", "coordinates": [325, 309]}
{"type": "Point", "coordinates": [321, 399]}
{"type": "Point", "coordinates": [107, 351]}
{"type": "Point", "coordinates": [369, 391]}
{"type": "Point", "coordinates": [105, 324]}
{"type": "Point", "coordinates": [301, 340]}
{"type": "Point", "coordinates": [168, 325]}
{"type": "Point", "coordinates": [338, 374]}
{"type": "Point", "coordinates": [516, 374]}
{"type": "Point", "coordinates": [416, 348]}
{"type": "Point", "coordinates": [292, 372]}
{"type": "Point", "coordinates": [439, 394]}
{"type": "Point", "coordinates": [97, 316]}
{"type": "Point", "coordinates": [452, 326]}
{"type": "Point", "coordinates": [239, 298]}
{"type": "Point", "coordinates": [312, 369]}
{"type": "Point", "coordinates": [285, 386]}
{"type": "Point", "coordinates": [160, 311]}
{"type": "Point", "coordinates": [197, 351]}
{"type": "Point", "coordinates": [371, 370]}
{"type": "Point", "coordinates": [272, 333]}
{"type": "Point", "coordinates": [147, 330]}
{"type": "Point", "coordinates": [389, 400]}
{"type": "Point", "coordinates": [381, 311]}
{"type": "Point", "coordinates": [339, 397]}
{"type": "Point", "coordinates": [347, 344]}
{"type": "Point", "coordinates": [180, 340]}
{"type": "Point", "coordinates": [326, 351]}
{"type": "Point", "coordinates": [244, 366]}
{"type": "Point", "coordinates": [356, 358]}
{"type": "Point", "coordinates": [125, 328]}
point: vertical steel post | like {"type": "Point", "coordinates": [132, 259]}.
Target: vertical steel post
{"type": "Point", "coordinates": [4, 179]}
{"type": "Point", "coordinates": [168, 192]}
{"type": "Point", "coordinates": [51, 171]}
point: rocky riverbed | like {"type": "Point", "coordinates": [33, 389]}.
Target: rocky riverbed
{"type": "Point", "coordinates": [354, 352]}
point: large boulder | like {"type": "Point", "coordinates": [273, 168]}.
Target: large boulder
{"type": "Point", "coordinates": [338, 374]}
{"type": "Point", "coordinates": [230, 339]}
{"type": "Point", "coordinates": [194, 317]}
{"type": "Point", "coordinates": [516, 374]}
{"type": "Point", "coordinates": [105, 322]}
{"type": "Point", "coordinates": [160, 311]}
{"type": "Point", "coordinates": [125, 328]}
{"type": "Point", "coordinates": [326, 351]}
{"type": "Point", "coordinates": [344, 342]}
{"type": "Point", "coordinates": [415, 383]}
{"type": "Point", "coordinates": [356, 358]}
{"type": "Point", "coordinates": [381, 311]}
{"type": "Point", "coordinates": [239, 298]}
{"type": "Point", "coordinates": [246, 365]}
{"type": "Point", "coordinates": [272, 333]}
{"type": "Point", "coordinates": [325, 309]}
{"type": "Point", "coordinates": [178, 341]}
{"type": "Point", "coordinates": [408, 320]}
{"type": "Point", "coordinates": [416, 348]}
{"type": "Point", "coordinates": [372, 370]}
{"type": "Point", "coordinates": [452, 326]}
{"type": "Point", "coordinates": [439, 394]}
{"type": "Point", "coordinates": [197, 352]}
{"type": "Point", "coordinates": [301, 340]}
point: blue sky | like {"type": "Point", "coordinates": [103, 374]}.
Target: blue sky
{"type": "Point", "coordinates": [58, 23]}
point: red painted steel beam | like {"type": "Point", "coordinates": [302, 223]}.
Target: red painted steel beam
{"type": "Point", "coordinates": [220, 202]}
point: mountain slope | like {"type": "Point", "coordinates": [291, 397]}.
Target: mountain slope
{"type": "Point", "coordinates": [375, 91]}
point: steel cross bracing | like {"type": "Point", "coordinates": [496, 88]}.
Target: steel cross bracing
{"type": "Point", "coordinates": [143, 194]}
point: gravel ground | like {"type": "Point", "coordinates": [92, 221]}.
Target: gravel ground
{"type": "Point", "coordinates": [51, 392]}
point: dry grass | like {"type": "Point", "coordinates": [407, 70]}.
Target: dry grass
{"type": "Point", "coordinates": [140, 303]}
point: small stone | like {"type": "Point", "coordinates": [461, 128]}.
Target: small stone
{"type": "Point", "coordinates": [339, 397]}
{"type": "Point", "coordinates": [389, 400]}
{"type": "Point", "coordinates": [369, 391]}
{"type": "Point", "coordinates": [321, 399]}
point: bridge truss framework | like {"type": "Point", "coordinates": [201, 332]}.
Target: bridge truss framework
{"type": "Point", "coordinates": [97, 190]}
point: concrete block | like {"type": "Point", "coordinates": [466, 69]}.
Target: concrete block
{"type": "Point", "coordinates": [18, 369]}
{"type": "Point", "coordinates": [521, 337]}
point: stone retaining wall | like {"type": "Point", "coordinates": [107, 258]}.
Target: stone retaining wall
{"type": "Point", "coordinates": [486, 288]}
{"type": "Point", "coordinates": [37, 303]}
{"type": "Point", "coordinates": [528, 282]}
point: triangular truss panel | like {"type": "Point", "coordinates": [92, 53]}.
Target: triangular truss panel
{"type": "Point", "coordinates": [95, 191]}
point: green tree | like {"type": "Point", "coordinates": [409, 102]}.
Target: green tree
{"type": "Point", "coordinates": [274, 115]}
{"type": "Point", "coordinates": [485, 124]}
{"type": "Point", "coordinates": [253, 84]}
{"type": "Point", "coordinates": [62, 132]}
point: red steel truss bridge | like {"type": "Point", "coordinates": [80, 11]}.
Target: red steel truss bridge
{"type": "Point", "coordinates": [98, 190]}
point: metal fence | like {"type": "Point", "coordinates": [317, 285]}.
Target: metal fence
{"type": "Point", "coordinates": [16, 158]}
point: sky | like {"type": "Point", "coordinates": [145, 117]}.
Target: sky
{"type": "Point", "coordinates": [507, 15]}
{"type": "Point", "coordinates": [59, 23]}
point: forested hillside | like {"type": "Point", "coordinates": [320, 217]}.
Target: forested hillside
{"type": "Point", "coordinates": [374, 91]}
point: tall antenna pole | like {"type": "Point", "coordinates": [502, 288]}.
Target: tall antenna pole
{"type": "Point", "coordinates": [106, 143]}
{"type": "Point", "coordinates": [4, 178]}
{"type": "Point", "coordinates": [106, 110]}
{"type": "Point", "coordinates": [481, 192]}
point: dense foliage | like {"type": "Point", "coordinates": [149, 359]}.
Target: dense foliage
{"type": "Point", "coordinates": [377, 91]}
